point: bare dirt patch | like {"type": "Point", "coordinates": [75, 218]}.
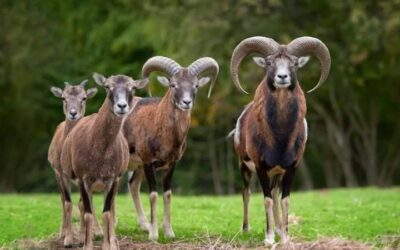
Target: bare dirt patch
{"type": "Point", "coordinates": [209, 243]}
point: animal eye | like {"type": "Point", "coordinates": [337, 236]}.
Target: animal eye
{"type": "Point", "coordinates": [173, 86]}
{"type": "Point", "coordinates": [268, 63]}
{"type": "Point", "coordinates": [84, 98]}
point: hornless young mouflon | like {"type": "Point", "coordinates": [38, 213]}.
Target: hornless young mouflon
{"type": "Point", "coordinates": [96, 153]}
{"type": "Point", "coordinates": [271, 132]}
{"type": "Point", "coordinates": [74, 105]}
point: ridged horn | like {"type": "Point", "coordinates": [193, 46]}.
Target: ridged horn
{"type": "Point", "coordinates": [203, 64]}
{"type": "Point", "coordinates": [262, 45]}
{"type": "Point", "coordinates": [162, 64]}
{"type": "Point", "coordinates": [304, 46]}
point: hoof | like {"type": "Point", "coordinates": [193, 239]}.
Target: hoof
{"type": "Point", "coordinates": [114, 244]}
{"type": "Point", "coordinates": [169, 234]}
{"type": "Point", "coordinates": [246, 228]}
{"type": "Point", "coordinates": [268, 242]}
{"type": "Point", "coordinates": [88, 247]}
{"type": "Point", "coordinates": [285, 239]}
{"type": "Point", "coordinates": [68, 241]}
{"type": "Point", "coordinates": [144, 226]}
{"type": "Point", "coordinates": [153, 236]}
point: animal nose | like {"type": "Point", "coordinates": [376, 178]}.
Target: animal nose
{"type": "Point", "coordinates": [122, 105]}
{"type": "Point", "coordinates": [73, 112]}
{"type": "Point", "coordinates": [187, 102]}
{"type": "Point", "coordinates": [282, 76]}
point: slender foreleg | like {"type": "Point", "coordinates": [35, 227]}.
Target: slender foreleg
{"type": "Point", "coordinates": [66, 228]}
{"type": "Point", "coordinates": [268, 204]}
{"type": "Point", "coordinates": [286, 185]}
{"type": "Point", "coordinates": [134, 184]}
{"type": "Point", "coordinates": [84, 187]}
{"type": "Point", "coordinates": [149, 170]}
{"type": "Point", "coordinates": [167, 201]}
{"type": "Point", "coordinates": [110, 240]}
{"type": "Point", "coordinates": [246, 176]}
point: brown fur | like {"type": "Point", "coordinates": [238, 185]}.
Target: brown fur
{"type": "Point", "coordinates": [96, 152]}
{"type": "Point", "coordinates": [97, 149]}
{"type": "Point", "coordinates": [157, 130]}
{"type": "Point", "coordinates": [54, 154]}
{"type": "Point", "coordinates": [272, 136]}
{"type": "Point", "coordinates": [254, 122]}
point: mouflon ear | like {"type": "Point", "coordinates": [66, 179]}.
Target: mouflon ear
{"type": "Point", "coordinates": [141, 83]}
{"type": "Point", "coordinates": [99, 79]}
{"type": "Point", "coordinates": [91, 92]}
{"type": "Point", "coordinates": [163, 80]}
{"type": "Point", "coordinates": [260, 61]}
{"type": "Point", "coordinates": [302, 61]}
{"type": "Point", "coordinates": [203, 81]}
{"type": "Point", "coordinates": [56, 91]}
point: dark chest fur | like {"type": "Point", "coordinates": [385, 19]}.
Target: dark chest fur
{"type": "Point", "coordinates": [285, 132]}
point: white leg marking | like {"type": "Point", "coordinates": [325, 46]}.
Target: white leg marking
{"type": "Point", "coordinates": [285, 215]}
{"type": "Point", "coordinates": [276, 208]}
{"type": "Point", "coordinates": [250, 165]}
{"type": "Point", "coordinates": [134, 188]}
{"type": "Point", "coordinates": [167, 215]}
{"type": "Point", "coordinates": [69, 237]}
{"type": "Point", "coordinates": [269, 232]}
{"type": "Point", "coordinates": [153, 232]}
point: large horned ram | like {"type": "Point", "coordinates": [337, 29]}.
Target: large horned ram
{"type": "Point", "coordinates": [156, 131]}
{"type": "Point", "coordinates": [271, 132]}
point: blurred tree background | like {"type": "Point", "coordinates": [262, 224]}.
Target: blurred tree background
{"type": "Point", "coordinates": [354, 118]}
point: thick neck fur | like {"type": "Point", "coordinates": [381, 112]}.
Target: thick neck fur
{"type": "Point", "coordinates": [106, 125]}
{"type": "Point", "coordinates": [283, 109]}
{"type": "Point", "coordinates": [172, 120]}
{"type": "Point", "coordinates": [69, 125]}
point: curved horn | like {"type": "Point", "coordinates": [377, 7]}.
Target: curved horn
{"type": "Point", "coordinates": [160, 63]}
{"type": "Point", "coordinates": [263, 45]}
{"type": "Point", "coordinates": [83, 83]}
{"type": "Point", "coordinates": [201, 65]}
{"type": "Point", "coordinates": [148, 89]}
{"type": "Point", "coordinates": [304, 46]}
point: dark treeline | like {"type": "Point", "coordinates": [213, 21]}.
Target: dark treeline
{"type": "Point", "coordinates": [353, 118]}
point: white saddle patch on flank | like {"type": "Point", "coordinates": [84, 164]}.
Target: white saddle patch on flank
{"type": "Point", "coordinates": [236, 137]}
{"type": "Point", "coordinates": [305, 129]}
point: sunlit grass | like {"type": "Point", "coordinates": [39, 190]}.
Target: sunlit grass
{"type": "Point", "coordinates": [358, 214]}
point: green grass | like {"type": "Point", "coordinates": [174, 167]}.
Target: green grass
{"type": "Point", "coordinates": [358, 214]}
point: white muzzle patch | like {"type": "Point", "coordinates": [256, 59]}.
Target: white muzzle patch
{"type": "Point", "coordinates": [282, 75]}
{"type": "Point", "coordinates": [121, 106]}
{"type": "Point", "coordinates": [187, 102]}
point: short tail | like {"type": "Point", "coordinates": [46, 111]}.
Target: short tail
{"type": "Point", "coordinates": [231, 134]}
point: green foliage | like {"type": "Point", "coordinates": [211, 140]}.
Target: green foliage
{"type": "Point", "coordinates": [359, 214]}
{"type": "Point", "coordinates": [45, 43]}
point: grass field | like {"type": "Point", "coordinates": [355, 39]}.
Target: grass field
{"type": "Point", "coordinates": [365, 215]}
